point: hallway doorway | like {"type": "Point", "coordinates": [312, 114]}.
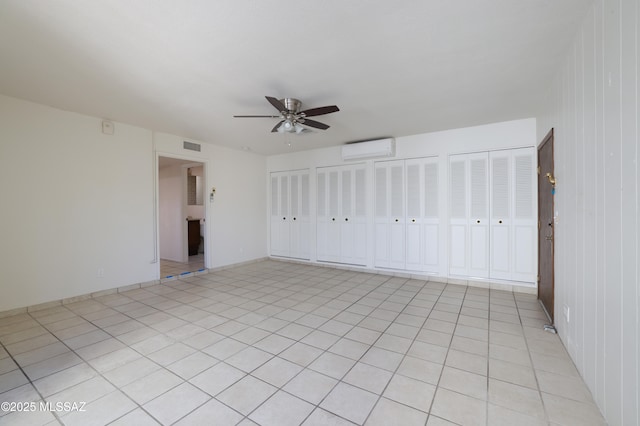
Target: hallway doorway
{"type": "Point", "coordinates": [181, 216]}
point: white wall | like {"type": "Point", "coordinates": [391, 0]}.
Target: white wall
{"type": "Point", "coordinates": [511, 134]}
{"type": "Point", "coordinates": [171, 201]}
{"type": "Point", "coordinates": [235, 222]}
{"type": "Point", "coordinates": [75, 201]}
{"type": "Point", "coordinates": [593, 106]}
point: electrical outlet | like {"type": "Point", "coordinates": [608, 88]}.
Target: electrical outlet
{"type": "Point", "coordinates": [100, 272]}
{"type": "Point", "coordinates": [566, 311]}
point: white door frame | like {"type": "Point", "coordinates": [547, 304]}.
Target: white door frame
{"type": "Point", "coordinates": [189, 162]}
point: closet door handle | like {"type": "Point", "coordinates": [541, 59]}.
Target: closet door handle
{"type": "Point", "coordinates": [294, 218]}
{"type": "Point", "coordinates": [477, 221]}
{"type": "Point", "coordinates": [333, 219]}
{"type": "Point", "coordinates": [346, 219]}
{"type": "Point", "coordinates": [499, 221]}
{"type": "Point", "coordinates": [284, 218]}
{"type": "Point", "coordinates": [397, 220]}
{"type": "Point", "coordinates": [413, 220]}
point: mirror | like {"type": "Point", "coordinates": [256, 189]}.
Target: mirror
{"type": "Point", "coordinates": [194, 186]}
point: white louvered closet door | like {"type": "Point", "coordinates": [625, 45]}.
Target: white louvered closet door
{"type": "Point", "coordinates": [347, 237]}
{"type": "Point", "coordinates": [422, 220]}
{"type": "Point", "coordinates": [397, 209]}
{"type": "Point", "coordinates": [390, 214]}
{"type": "Point", "coordinates": [359, 218]}
{"type": "Point", "coordinates": [279, 214]}
{"type": "Point", "coordinates": [414, 219]}
{"type": "Point", "coordinates": [333, 224]}
{"type": "Point", "coordinates": [431, 217]}
{"type": "Point", "coordinates": [469, 215]}
{"type": "Point", "coordinates": [322, 216]}
{"type": "Point", "coordinates": [353, 219]}
{"type": "Point", "coordinates": [458, 215]}
{"type": "Point", "coordinates": [299, 215]}
{"type": "Point", "coordinates": [524, 218]}
{"type": "Point", "coordinates": [479, 215]}
{"type": "Point", "coordinates": [381, 215]}
{"type": "Point", "coordinates": [501, 224]}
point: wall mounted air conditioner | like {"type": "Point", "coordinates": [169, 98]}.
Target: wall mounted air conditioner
{"type": "Point", "coordinates": [370, 149]}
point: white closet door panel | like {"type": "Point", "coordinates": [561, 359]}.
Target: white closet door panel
{"type": "Point", "coordinates": [501, 235]}
{"type": "Point", "coordinates": [299, 224]}
{"type": "Point", "coordinates": [304, 238]}
{"type": "Point", "coordinates": [524, 220]}
{"type": "Point", "coordinates": [524, 252]}
{"type": "Point", "coordinates": [304, 197]}
{"type": "Point", "coordinates": [334, 194]}
{"type": "Point", "coordinates": [275, 205]}
{"type": "Point", "coordinates": [333, 241]}
{"type": "Point", "coordinates": [360, 193]}
{"type": "Point", "coordinates": [347, 239]}
{"type": "Point", "coordinates": [431, 198]}
{"type": "Point", "coordinates": [284, 196]}
{"type": "Point", "coordinates": [279, 211]}
{"type": "Point", "coordinates": [397, 190]}
{"type": "Point", "coordinates": [524, 186]}
{"type": "Point", "coordinates": [381, 210]}
{"type": "Point", "coordinates": [346, 198]}
{"type": "Point", "coordinates": [321, 203]}
{"type": "Point", "coordinates": [382, 246]}
{"type": "Point", "coordinates": [431, 258]}
{"type": "Point", "coordinates": [397, 248]}
{"type": "Point", "coordinates": [479, 187]}
{"type": "Point", "coordinates": [322, 220]}
{"type": "Point", "coordinates": [500, 252]}
{"type": "Point", "coordinates": [458, 249]}
{"type": "Point", "coordinates": [360, 243]}
{"type": "Point", "coordinates": [413, 190]}
{"type": "Point", "coordinates": [478, 251]}
{"type": "Point", "coordinates": [414, 246]}
{"type": "Point", "coordinates": [294, 186]}
{"type": "Point", "coordinates": [458, 187]}
{"type": "Point", "coordinates": [322, 241]}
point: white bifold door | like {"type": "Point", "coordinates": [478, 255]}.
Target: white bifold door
{"type": "Point", "coordinates": [341, 214]}
{"type": "Point", "coordinates": [513, 215]}
{"type": "Point", "coordinates": [290, 214]}
{"type": "Point", "coordinates": [469, 215]}
{"type": "Point", "coordinates": [492, 215]}
{"type": "Point", "coordinates": [406, 214]}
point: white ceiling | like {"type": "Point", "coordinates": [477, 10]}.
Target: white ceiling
{"type": "Point", "coordinates": [186, 67]}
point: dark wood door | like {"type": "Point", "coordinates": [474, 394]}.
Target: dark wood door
{"type": "Point", "coordinates": [546, 190]}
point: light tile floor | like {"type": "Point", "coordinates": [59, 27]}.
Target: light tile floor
{"type": "Point", "coordinates": [276, 343]}
{"type": "Point", "coordinates": [171, 268]}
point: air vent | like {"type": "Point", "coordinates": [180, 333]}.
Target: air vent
{"type": "Point", "coordinates": [191, 146]}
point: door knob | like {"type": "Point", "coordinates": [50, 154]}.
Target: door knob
{"type": "Point", "coordinates": [396, 220]}
{"type": "Point", "coordinates": [551, 178]}
{"type": "Point", "coordinates": [333, 219]}
{"type": "Point", "coordinates": [294, 218]}
{"type": "Point", "coordinates": [413, 220]}
{"type": "Point", "coordinates": [284, 218]}
{"type": "Point", "coordinates": [346, 219]}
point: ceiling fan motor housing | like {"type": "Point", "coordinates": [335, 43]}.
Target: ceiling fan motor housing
{"type": "Point", "coordinates": [291, 104]}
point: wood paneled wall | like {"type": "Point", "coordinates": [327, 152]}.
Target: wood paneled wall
{"type": "Point", "coordinates": [594, 108]}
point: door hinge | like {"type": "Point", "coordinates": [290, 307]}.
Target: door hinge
{"type": "Point", "coordinates": [538, 278]}
{"type": "Point", "coordinates": [538, 169]}
{"type": "Point", "coordinates": [538, 225]}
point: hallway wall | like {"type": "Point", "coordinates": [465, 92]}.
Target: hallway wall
{"type": "Point", "coordinates": [593, 106]}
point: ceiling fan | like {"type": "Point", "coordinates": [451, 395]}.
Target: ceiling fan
{"type": "Point", "coordinates": [291, 118]}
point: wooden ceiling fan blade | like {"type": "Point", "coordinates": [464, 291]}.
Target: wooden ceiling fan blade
{"type": "Point", "coordinates": [276, 127]}
{"type": "Point", "coordinates": [276, 103]}
{"type": "Point", "coordinates": [315, 124]}
{"type": "Point", "coordinates": [256, 116]}
{"type": "Point", "coordinates": [320, 111]}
